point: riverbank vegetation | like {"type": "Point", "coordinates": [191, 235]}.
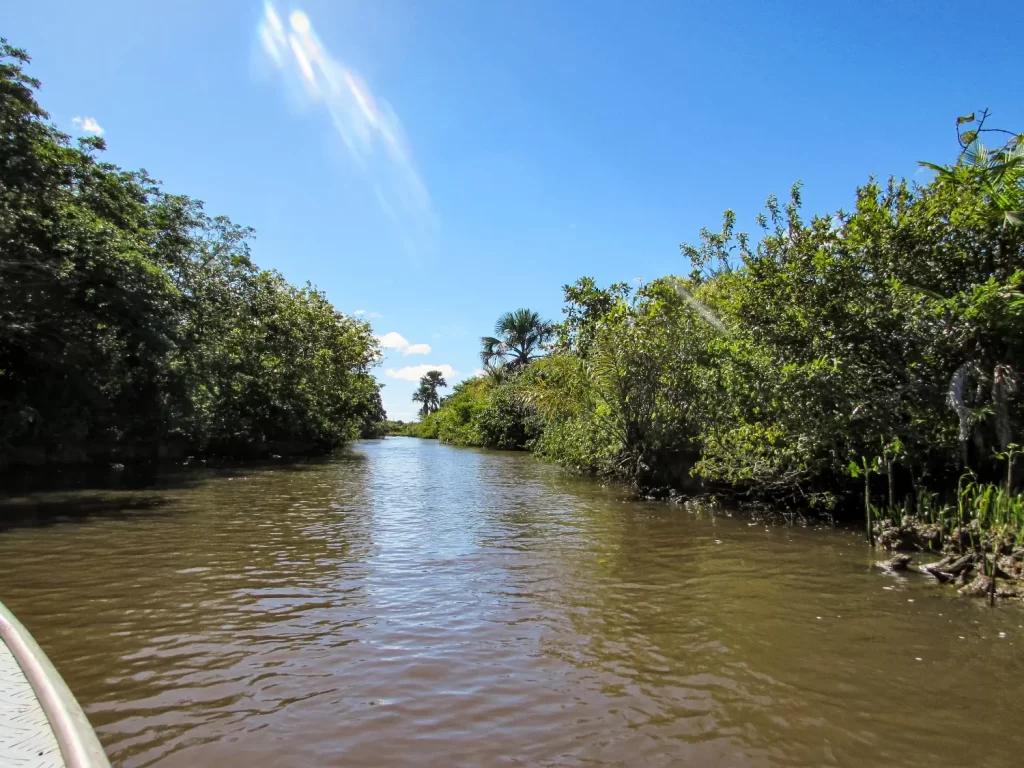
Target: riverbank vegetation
{"type": "Point", "coordinates": [135, 324]}
{"type": "Point", "coordinates": [870, 356]}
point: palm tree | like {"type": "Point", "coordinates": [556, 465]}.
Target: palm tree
{"type": "Point", "coordinates": [1001, 171]}
{"type": "Point", "coordinates": [427, 393]}
{"type": "Point", "coordinates": [520, 337]}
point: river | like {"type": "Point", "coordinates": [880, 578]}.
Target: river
{"type": "Point", "coordinates": [409, 603]}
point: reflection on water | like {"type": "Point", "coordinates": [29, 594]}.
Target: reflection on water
{"type": "Point", "coordinates": [414, 604]}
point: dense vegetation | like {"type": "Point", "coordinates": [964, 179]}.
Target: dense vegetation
{"type": "Point", "coordinates": [884, 344]}
{"type": "Point", "coordinates": [132, 321]}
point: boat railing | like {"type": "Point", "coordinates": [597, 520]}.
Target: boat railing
{"type": "Point", "coordinates": [76, 739]}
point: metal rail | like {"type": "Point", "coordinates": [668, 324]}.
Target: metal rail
{"type": "Point", "coordinates": [78, 744]}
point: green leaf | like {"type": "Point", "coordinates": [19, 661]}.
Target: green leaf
{"type": "Point", "coordinates": [965, 119]}
{"type": "Point", "coordinates": [943, 171]}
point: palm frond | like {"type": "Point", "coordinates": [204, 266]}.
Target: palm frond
{"type": "Point", "coordinates": [519, 335]}
{"type": "Point", "coordinates": [492, 350]}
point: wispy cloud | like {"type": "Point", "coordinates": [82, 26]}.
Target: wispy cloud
{"type": "Point", "coordinates": [367, 125]}
{"type": "Point", "coordinates": [87, 125]}
{"type": "Point", "coordinates": [371, 315]}
{"type": "Point", "coordinates": [416, 372]}
{"type": "Point", "coordinates": [395, 340]}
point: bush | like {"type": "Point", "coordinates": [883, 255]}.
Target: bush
{"type": "Point", "coordinates": [504, 421]}
{"type": "Point", "coordinates": [484, 412]}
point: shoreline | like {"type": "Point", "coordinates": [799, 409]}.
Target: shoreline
{"type": "Point", "coordinates": [965, 557]}
{"type": "Point", "coordinates": [976, 561]}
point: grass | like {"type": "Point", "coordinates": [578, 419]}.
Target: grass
{"type": "Point", "coordinates": [992, 506]}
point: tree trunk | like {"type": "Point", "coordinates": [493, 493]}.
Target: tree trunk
{"type": "Point", "coordinates": [892, 484]}
{"type": "Point", "coordinates": [867, 505]}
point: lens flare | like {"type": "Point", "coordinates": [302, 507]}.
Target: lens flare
{"type": "Point", "coordinates": [367, 126]}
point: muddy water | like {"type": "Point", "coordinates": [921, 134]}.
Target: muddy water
{"type": "Point", "coordinates": [414, 604]}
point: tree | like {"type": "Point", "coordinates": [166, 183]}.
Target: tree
{"type": "Point", "coordinates": [520, 337]}
{"type": "Point", "coordinates": [427, 393]}
{"type": "Point", "coordinates": [129, 318]}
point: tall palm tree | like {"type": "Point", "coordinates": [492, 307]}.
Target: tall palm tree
{"type": "Point", "coordinates": [519, 337]}
{"type": "Point", "coordinates": [427, 393]}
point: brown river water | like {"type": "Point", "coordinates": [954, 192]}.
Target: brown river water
{"type": "Point", "coordinates": [409, 603]}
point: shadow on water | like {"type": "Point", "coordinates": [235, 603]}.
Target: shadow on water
{"type": "Point", "coordinates": [53, 495]}
{"type": "Point", "coordinates": [52, 510]}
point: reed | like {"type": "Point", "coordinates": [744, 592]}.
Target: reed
{"type": "Point", "coordinates": [992, 506]}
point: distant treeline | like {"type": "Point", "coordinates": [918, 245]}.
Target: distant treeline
{"type": "Point", "coordinates": [133, 323]}
{"type": "Point", "coordinates": [885, 342]}
{"type": "Point", "coordinates": [401, 428]}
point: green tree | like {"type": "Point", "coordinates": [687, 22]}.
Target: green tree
{"type": "Point", "coordinates": [427, 393]}
{"type": "Point", "coordinates": [129, 318]}
{"type": "Point", "coordinates": [520, 337]}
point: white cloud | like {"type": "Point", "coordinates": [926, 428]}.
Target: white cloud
{"type": "Point", "coordinates": [394, 340]}
{"type": "Point", "coordinates": [87, 125]}
{"type": "Point", "coordinates": [371, 315]}
{"type": "Point", "coordinates": [366, 124]}
{"type": "Point", "coordinates": [416, 372]}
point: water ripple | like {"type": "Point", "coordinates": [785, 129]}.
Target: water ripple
{"type": "Point", "coordinates": [414, 604]}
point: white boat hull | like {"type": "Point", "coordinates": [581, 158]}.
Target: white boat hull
{"type": "Point", "coordinates": [41, 723]}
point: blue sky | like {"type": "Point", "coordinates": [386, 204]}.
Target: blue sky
{"type": "Point", "coordinates": [433, 163]}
